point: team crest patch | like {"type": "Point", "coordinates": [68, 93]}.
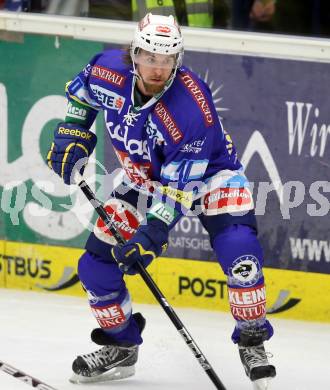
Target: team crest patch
{"type": "Point", "coordinates": [245, 271]}
{"type": "Point", "coordinates": [124, 217]}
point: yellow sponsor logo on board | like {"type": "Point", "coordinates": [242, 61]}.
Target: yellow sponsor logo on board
{"type": "Point", "coordinates": [184, 283]}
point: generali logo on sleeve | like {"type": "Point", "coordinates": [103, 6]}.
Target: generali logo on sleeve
{"type": "Point", "coordinates": [109, 75]}
{"type": "Point", "coordinates": [198, 96]}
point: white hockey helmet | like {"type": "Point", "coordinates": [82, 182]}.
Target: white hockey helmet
{"type": "Point", "coordinates": [158, 34]}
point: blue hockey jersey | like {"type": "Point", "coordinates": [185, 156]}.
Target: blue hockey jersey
{"type": "Point", "coordinates": [174, 138]}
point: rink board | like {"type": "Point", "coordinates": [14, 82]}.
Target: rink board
{"type": "Point", "coordinates": [185, 283]}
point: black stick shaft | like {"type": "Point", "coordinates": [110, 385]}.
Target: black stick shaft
{"type": "Point", "coordinates": [155, 290]}
{"type": "Point", "coordinates": [28, 379]}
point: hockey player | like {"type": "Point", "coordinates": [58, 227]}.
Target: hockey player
{"type": "Point", "coordinates": [176, 156]}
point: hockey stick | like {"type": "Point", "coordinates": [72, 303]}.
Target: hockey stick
{"type": "Point", "coordinates": [154, 289]}
{"type": "Point", "coordinates": [28, 379]}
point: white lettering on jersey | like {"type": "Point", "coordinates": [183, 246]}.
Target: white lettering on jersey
{"type": "Point", "coordinates": [132, 146]}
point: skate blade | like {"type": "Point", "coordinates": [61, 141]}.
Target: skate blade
{"type": "Point", "coordinates": [111, 375]}
{"type": "Point", "coordinates": [261, 384]}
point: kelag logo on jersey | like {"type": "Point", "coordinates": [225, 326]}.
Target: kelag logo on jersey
{"type": "Point", "coordinates": [121, 134]}
{"type": "Point", "coordinates": [108, 98]}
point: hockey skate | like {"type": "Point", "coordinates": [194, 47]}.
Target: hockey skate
{"type": "Point", "coordinates": [111, 362]}
{"type": "Point", "coordinates": [254, 359]}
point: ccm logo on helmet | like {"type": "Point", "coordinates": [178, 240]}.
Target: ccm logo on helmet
{"type": "Point", "coordinates": [162, 44]}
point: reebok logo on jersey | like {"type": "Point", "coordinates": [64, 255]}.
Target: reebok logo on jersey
{"type": "Point", "coordinates": [171, 127]}
{"type": "Point", "coordinates": [75, 132]}
{"type": "Point", "coordinates": [108, 75]}
{"type": "Point", "coordinates": [198, 96]}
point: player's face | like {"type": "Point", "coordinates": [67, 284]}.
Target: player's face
{"type": "Point", "coordinates": [155, 70]}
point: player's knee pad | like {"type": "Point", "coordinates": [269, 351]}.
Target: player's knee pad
{"type": "Point", "coordinates": [241, 257]}
{"type": "Point", "coordinates": [108, 297]}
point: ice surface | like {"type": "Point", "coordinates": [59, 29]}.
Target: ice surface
{"type": "Point", "coordinates": [42, 333]}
